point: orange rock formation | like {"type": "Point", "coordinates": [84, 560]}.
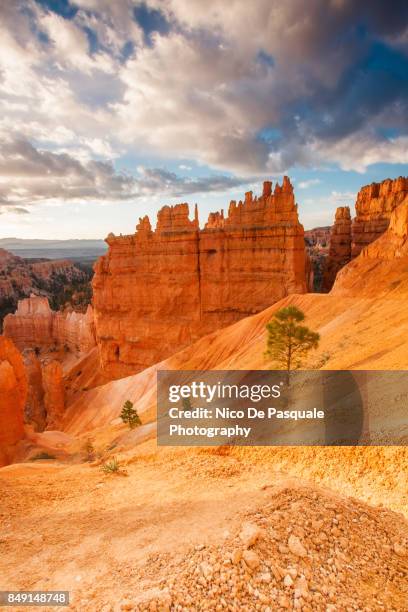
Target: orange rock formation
{"type": "Point", "coordinates": [383, 264]}
{"type": "Point", "coordinates": [374, 206]}
{"type": "Point", "coordinates": [54, 394]}
{"type": "Point", "coordinates": [34, 324]}
{"type": "Point", "coordinates": [13, 392]}
{"type": "Point", "coordinates": [34, 413]}
{"type": "Point", "coordinates": [157, 291]}
{"type": "Point", "coordinates": [340, 246]}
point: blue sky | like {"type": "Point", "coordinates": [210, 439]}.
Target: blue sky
{"type": "Point", "coordinates": [110, 110]}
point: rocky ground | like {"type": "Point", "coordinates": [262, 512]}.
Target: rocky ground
{"type": "Point", "coordinates": [200, 530]}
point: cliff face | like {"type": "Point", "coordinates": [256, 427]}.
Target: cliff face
{"type": "Point", "coordinates": [317, 247]}
{"type": "Point", "coordinates": [374, 206]}
{"type": "Point", "coordinates": [13, 392]}
{"type": "Point", "coordinates": [157, 291]}
{"type": "Point", "coordinates": [54, 394]}
{"type": "Point", "coordinates": [20, 277]}
{"type": "Point", "coordinates": [34, 324]}
{"type": "Point", "coordinates": [383, 265]}
{"type": "Point", "coordinates": [340, 246]}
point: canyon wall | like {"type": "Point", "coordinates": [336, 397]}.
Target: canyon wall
{"type": "Point", "coordinates": [340, 246]}
{"type": "Point", "coordinates": [59, 280]}
{"type": "Point", "coordinates": [381, 269]}
{"type": "Point", "coordinates": [157, 291]}
{"type": "Point", "coordinates": [34, 325]}
{"type": "Point", "coordinates": [374, 206]}
{"type": "Point", "coordinates": [13, 392]}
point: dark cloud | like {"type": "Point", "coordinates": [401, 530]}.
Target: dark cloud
{"type": "Point", "coordinates": [158, 180]}
{"type": "Point", "coordinates": [39, 176]}
{"type": "Point", "coordinates": [244, 87]}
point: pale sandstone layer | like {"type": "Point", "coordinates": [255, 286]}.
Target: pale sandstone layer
{"type": "Point", "coordinates": [158, 291]}
{"type": "Point", "coordinates": [13, 392]}
{"type": "Point", "coordinates": [34, 324]}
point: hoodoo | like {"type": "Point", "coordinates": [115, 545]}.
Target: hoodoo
{"type": "Point", "coordinates": [34, 324]}
{"type": "Point", "coordinates": [340, 246]}
{"type": "Point", "coordinates": [13, 393]}
{"type": "Point", "coordinates": [375, 205]}
{"type": "Point", "coordinates": [157, 291]}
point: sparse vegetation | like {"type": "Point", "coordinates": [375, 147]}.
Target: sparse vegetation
{"type": "Point", "coordinates": [129, 415]}
{"type": "Point", "coordinates": [42, 455]}
{"type": "Point", "coordinates": [111, 467]}
{"type": "Point", "coordinates": [288, 342]}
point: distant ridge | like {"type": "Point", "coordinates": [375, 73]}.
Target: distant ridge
{"type": "Point", "coordinates": [73, 249]}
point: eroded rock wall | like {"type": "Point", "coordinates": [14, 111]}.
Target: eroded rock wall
{"type": "Point", "coordinates": [34, 324]}
{"type": "Point", "coordinates": [157, 291]}
{"type": "Point", "coordinates": [340, 246]}
{"type": "Point", "coordinates": [13, 393]}
{"type": "Point", "coordinates": [374, 206]}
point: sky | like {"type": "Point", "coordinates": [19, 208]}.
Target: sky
{"type": "Point", "coordinates": [111, 109]}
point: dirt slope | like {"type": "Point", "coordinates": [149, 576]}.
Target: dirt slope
{"type": "Point", "coordinates": [172, 524]}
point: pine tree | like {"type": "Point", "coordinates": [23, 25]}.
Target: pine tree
{"type": "Point", "coordinates": [129, 415]}
{"type": "Point", "coordinates": [288, 342]}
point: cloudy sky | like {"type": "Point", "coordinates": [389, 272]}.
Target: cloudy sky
{"type": "Point", "coordinates": [110, 109]}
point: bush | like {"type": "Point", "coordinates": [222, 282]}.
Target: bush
{"type": "Point", "coordinates": [129, 415]}
{"type": "Point", "coordinates": [111, 467]}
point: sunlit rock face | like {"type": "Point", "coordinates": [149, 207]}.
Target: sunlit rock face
{"type": "Point", "coordinates": [157, 291]}
{"type": "Point", "coordinates": [34, 324]}
{"type": "Point", "coordinates": [382, 266]}
{"type": "Point", "coordinates": [13, 393]}
{"type": "Point", "coordinates": [340, 246]}
{"type": "Point", "coordinates": [374, 206]}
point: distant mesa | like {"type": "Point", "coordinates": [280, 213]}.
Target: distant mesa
{"type": "Point", "coordinates": [156, 291]}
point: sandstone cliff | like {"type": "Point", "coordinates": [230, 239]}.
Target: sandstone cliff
{"type": "Point", "coordinates": [382, 267]}
{"type": "Point", "coordinates": [13, 392]}
{"type": "Point", "coordinates": [317, 247]}
{"type": "Point", "coordinates": [54, 394]}
{"type": "Point", "coordinates": [59, 280]}
{"type": "Point", "coordinates": [157, 291]}
{"type": "Point", "coordinates": [374, 207]}
{"type": "Point", "coordinates": [340, 246]}
{"type": "Point", "coordinates": [34, 325]}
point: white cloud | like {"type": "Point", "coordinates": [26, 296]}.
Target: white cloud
{"type": "Point", "coordinates": [308, 183]}
{"type": "Point", "coordinates": [223, 75]}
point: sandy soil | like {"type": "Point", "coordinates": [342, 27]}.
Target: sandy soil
{"type": "Point", "coordinates": [109, 539]}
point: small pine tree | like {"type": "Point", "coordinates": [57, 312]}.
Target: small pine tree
{"type": "Point", "coordinates": [288, 342]}
{"type": "Point", "coordinates": [186, 404]}
{"type": "Point", "coordinates": [129, 415]}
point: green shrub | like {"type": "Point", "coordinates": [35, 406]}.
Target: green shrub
{"type": "Point", "coordinates": [42, 455]}
{"type": "Point", "coordinates": [129, 415]}
{"type": "Point", "coordinates": [111, 467]}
